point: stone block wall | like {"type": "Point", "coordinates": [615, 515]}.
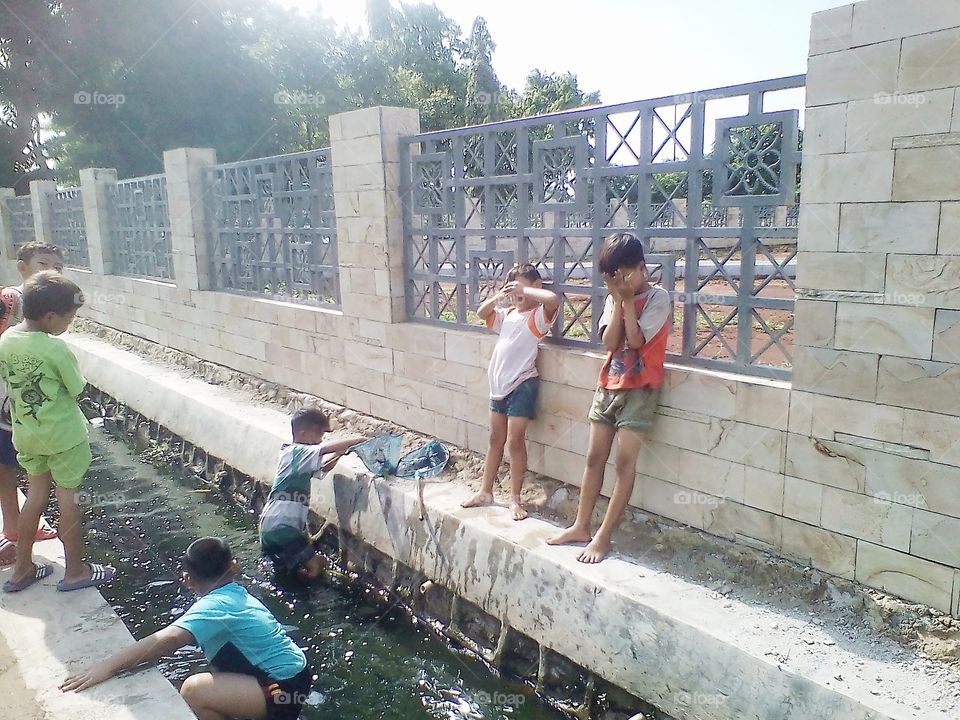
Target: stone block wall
{"type": "Point", "coordinates": [874, 434]}
{"type": "Point", "coordinates": [853, 469]}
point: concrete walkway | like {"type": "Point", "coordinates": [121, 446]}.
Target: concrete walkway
{"type": "Point", "coordinates": [46, 635]}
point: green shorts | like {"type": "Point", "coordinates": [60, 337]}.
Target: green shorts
{"type": "Point", "coordinates": [68, 467]}
{"type": "Point", "coordinates": [631, 409]}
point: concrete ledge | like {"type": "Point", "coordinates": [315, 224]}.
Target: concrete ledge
{"type": "Point", "coordinates": [49, 634]}
{"type": "Point", "coordinates": [665, 640]}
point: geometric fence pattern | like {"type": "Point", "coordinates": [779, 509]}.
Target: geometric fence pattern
{"type": "Point", "coordinates": [708, 181]}
{"type": "Point", "coordinates": [273, 229]}
{"type": "Point", "coordinates": [21, 219]}
{"type": "Point", "coordinates": [140, 232]}
{"type": "Point", "coordinates": [68, 228]}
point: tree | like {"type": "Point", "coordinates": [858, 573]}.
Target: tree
{"type": "Point", "coordinates": [548, 92]}
{"type": "Point", "coordinates": [485, 95]}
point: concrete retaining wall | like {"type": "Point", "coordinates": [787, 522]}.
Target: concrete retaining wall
{"type": "Point", "coordinates": [655, 636]}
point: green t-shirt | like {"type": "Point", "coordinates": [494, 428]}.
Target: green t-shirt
{"type": "Point", "coordinates": [43, 380]}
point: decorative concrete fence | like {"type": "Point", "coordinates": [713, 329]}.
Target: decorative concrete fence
{"type": "Point", "coordinates": [853, 467]}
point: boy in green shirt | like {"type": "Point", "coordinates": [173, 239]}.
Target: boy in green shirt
{"type": "Point", "coordinates": [43, 381]}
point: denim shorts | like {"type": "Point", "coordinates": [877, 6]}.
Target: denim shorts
{"type": "Point", "coordinates": [8, 454]}
{"type": "Point", "coordinates": [522, 402]}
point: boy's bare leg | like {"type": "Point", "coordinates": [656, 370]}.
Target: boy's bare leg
{"type": "Point", "coordinates": [71, 534]}
{"type": "Point", "coordinates": [517, 445]}
{"type": "Point", "coordinates": [601, 440]}
{"type": "Point", "coordinates": [37, 495]}
{"type": "Point", "coordinates": [217, 696]}
{"type": "Point", "coordinates": [629, 443]}
{"type": "Point", "coordinates": [498, 438]}
{"type": "Point", "coordinates": [9, 502]}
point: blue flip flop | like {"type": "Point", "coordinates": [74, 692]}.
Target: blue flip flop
{"type": "Point", "coordinates": [99, 575]}
{"type": "Point", "coordinates": [40, 572]}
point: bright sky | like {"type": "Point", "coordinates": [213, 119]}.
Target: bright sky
{"type": "Point", "coordinates": [631, 49]}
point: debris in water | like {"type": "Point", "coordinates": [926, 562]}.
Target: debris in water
{"type": "Point", "coordinates": [158, 583]}
{"type": "Point", "coordinates": [315, 699]}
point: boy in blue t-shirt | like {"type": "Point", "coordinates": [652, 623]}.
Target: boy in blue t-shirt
{"type": "Point", "coordinates": [260, 673]}
{"type": "Point", "coordinates": [283, 521]}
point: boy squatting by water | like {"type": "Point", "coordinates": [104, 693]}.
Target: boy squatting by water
{"type": "Point", "coordinates": [260, 672]}
{"type": "Point", "coordinates": [514, 383]}
{"type": "Point", "coordinates": [634, 327]}
{"type": "Point", "coordinates": [283, 522]}
{"type": "Point", "coordinates": [32, 257]}
{"type": "Point", "coordinates": [43, 380]}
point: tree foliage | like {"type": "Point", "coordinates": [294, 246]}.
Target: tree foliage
{"type": "Point", "coordinates": [114, 83]}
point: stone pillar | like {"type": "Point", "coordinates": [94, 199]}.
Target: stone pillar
{"type": "Point", "coordinates": [185, 169]}
{"type": "Point", "coordinates": [366, 183]}
{"type": "Point", "coordinates": [95, 187]}
{"type": "Point", "coordinates": [40, 192]}
{"type": "Point", "coordinates": [6, 229]}
{"type": "Point", "coordinates": [875, 407]}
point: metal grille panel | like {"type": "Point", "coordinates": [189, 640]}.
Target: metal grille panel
{"type": "Point", "coordinates": [273, 228]}
{"type": "Point", "coordinates": [21, 219]}
{"type": "Point", "coordinates": [142, 243]}
{"type": "Point", "coordinates": [707, 180]}
{"type": "Point", "coordinates": [68, 228]}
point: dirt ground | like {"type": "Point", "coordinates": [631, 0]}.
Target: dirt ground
{"type": "Point", "coordinates": [828, 610]}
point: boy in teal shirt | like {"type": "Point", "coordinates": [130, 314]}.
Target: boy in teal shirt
{"type": "Point", "coordinates": [259, 672]}
{"type": "Point", "coordinates": [43, 381]}
{"type": "Point", "coordinates": [283, 522]}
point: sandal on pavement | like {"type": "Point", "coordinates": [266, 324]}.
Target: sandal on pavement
{"type": "Point", "coordinates": [7, 546]}
{"type": "Point", "coordinates": [99, 575]}
{"type": "Point", "coordinates": [41, 571]}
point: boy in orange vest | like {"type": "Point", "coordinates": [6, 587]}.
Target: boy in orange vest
{"type": "Point", "coordinates": [634, 327]}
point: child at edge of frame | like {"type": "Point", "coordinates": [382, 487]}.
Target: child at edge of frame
{"type": "Point", "coordinates": [43, 380]}
{"type": "Point", "coordinates": [634, 327]}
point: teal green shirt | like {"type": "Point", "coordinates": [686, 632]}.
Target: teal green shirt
{"type": "Point", "coordinates": [43, 380]}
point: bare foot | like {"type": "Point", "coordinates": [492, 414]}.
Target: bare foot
{"type": "Point", "coordinates": [595, 552]}
{"type": "Point", "coordinates": [478, 500]}
{"type": "Point", "coordinates": [518, 512]}
{"type": "Point", "coordinates": [572, 534]}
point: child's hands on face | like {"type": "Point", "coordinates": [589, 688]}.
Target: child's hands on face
{"type": "Point", "coordinates": [512, 290]}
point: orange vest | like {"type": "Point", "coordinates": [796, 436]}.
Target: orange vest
{"type": "Point", "coordinates": [627, 369]}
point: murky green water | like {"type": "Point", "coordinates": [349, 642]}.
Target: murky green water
{"type": "Point", "coordinates": [369, 663]}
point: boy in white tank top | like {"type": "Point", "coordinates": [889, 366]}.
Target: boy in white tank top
{"type": "Point", "coordinates": [514, 384]}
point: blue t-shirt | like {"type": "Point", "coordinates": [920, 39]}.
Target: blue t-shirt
{"type": "Point", "coordinates": [230, 626]}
